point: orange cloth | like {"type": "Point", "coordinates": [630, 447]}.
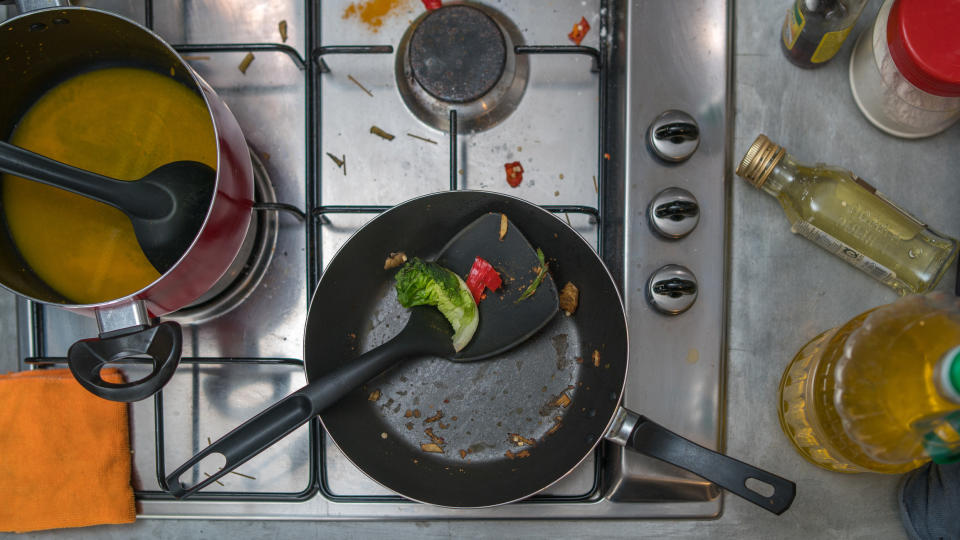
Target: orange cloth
{"type": "Point", "coordinates": [64, 453]}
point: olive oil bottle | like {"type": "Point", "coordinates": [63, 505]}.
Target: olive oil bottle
{"type": "Point", "coordinates": [845, 215]}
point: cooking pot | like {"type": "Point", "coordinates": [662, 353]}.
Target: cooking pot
{"type": "Point", "coordinates": [44, 47]}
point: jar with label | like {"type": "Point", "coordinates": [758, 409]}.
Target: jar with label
{"type": "Point", "coordinates": [904, 70]}
{"type": "Point", "coordinates": [814, 30]}
{"type": "Point", "coordinates": [845, 215]}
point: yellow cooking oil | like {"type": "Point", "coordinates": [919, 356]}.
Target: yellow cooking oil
{"type": "Point", "coordinates": [118, 122]}
{"type": "Point", "coordinates": [845, 215]}
{"type": "Point", "coordinates": [880, 393]}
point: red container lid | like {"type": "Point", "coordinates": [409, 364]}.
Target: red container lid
{"type": "Point", "coordinates": [924, 41]}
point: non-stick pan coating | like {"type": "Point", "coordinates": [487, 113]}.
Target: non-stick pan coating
{"type": "Point", "coordinates": [354, 309]}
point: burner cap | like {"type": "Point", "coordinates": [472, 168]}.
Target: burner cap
{"type": "Point", "coordinates": [457, 53]}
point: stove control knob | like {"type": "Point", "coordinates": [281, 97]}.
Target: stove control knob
{"type": "Point", "coordinates": [673, 213]}
{"type": "Point", "coordinates": [674, 136]}
{"type": "Point", "coordinates": [672, 289]}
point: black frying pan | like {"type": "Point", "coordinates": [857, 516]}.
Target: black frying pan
{"type": "Point", "coordinates": [508, 426]}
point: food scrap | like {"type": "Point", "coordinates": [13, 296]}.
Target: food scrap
{"type": "Point", "coordinates": [434, 418]}
{"type": "Point", "coordinates": [424, 139]}
{"type": "Point", "coordinates": [569, 298]}
{"type": "Point", "coordinates": [394, 260]}
{"type": "Point", "coordinates": [362, 87]}
{"type": "Point", "coordinates": [375, 395]}
{"type": "Point", "coordinates": [384, 435]}
{"type": "Point", "coordinates": [431, 447]}
{"type": "Point", "coordinates": [283, 30]}
{"type": "Point", "coordinates": [433, 437]}
{"type": "Point", "coordinates": [541, 273]}
{"type": "Point", "coordinates": [514, 173]}
{"type": "Point", "coordinates": [503, 226]}
{"type": "Point", "coordinates": [521, 454]}
{"type": "Point", "coordinates": [562, 400]}
{"type": "Point", "coordinates": [409, 425]}
{"type": "Point", "coordinates": [596, 358]}
{"type": "Point", "coordinates": [557, 424]}
{"type": "Point", "coordinates": [245, 63]}
{"type": "Point", "coordinates": [463, 454]}
{"type": "Point", "coordinates": [482, 276]}
{"type": "Point", "coordinates": [579, 31]}
{"type": "Point", "coordinates": [339, 162]}
{"type": "Point", "coordinates": [381, 133]}
{"type": "Point", "coordinates": [520, 440]}
{"type": "Point", "coordinates": [432, 4]}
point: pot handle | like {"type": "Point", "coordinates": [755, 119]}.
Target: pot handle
{"type": "Point", "coordinates": [654, 440]}
{"type": "Point", "coordinates": [162, 343]}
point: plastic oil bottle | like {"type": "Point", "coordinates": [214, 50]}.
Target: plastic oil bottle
{"type": "Point", "coordinates": [880, 393]}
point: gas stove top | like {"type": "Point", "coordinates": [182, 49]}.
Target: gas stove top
{"type": "Point", "coordinates": [625, 136]}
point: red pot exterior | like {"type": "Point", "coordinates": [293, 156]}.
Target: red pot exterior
{"type": "Point", "coordinates": [223, 232]}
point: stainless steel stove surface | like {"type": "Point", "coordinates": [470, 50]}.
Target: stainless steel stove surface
{"type": "Point", "coordinates": [578, 119]}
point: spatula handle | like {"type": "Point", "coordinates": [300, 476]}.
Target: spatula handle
{"type": "Point", "coordinates": [278, 421]}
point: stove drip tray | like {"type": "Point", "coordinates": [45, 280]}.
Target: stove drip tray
{"type": "Point", "coordinates": [461, 57]}
{"type": "Point", "coordinates": [250, 264]}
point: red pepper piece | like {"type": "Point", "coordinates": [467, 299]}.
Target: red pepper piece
{"type": "Point", "coordinates": [432, 4]}
{"type": "Point", "coordinates": [481, 276]}
{"type": "Point", "coordinates": [514, 173]}
{"type": "Point", "coordinates": [579, 31]}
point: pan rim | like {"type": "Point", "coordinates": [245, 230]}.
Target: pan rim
{"type": "Point", "coordinates": [619, 400]}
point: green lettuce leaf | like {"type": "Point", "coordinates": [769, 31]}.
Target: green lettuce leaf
{"type": "Point", "coordinates": [427, 283]}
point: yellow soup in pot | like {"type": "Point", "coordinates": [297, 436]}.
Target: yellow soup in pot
{"type": "Point", "coordinates": [118, 122]}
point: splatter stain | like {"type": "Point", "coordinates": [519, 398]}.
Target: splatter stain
{"type": "Point", "coordinates": [373, 12]}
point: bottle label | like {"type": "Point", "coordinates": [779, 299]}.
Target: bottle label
{"type": "Point", "coordinates": [942, 441]}
{"type": "Point", "coordinates": [829, 45]}
{"type": "Point", "coordinates": [792, 27]}
{"type": "Point", "coordinates": [878, 271]}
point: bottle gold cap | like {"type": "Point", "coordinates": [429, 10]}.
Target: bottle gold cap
{"type": "Point", "coordinates": [759, 161]}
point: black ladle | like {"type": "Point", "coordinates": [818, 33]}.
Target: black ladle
{"type": "Point", "coordinates": [166, 207]}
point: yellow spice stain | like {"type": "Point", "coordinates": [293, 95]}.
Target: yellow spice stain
{"type": "Point", "coordinates": [373, 12]}
{"type": "Point", "coordinates": [693, 356]}
{"type": "Point", "coordinates": [119, 122]}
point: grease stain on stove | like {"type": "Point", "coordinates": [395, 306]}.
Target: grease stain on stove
{"type": "Point", "coordinates": [373, 12]}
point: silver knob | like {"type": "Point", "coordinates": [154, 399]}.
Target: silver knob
{"type": "Point", "coordinates": [673, 213]}
{"type": "Point", "coordinates": [674, 136]}
{"type": "Point", "coordinates": [672, 289]}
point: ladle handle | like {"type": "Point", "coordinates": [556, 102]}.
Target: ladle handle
{"type": "Point", "coordinates": [137, 198]}
{"type": "Point", "coordinates": [162, 343]}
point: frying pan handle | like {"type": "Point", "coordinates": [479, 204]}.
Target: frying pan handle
{"type": "Point", "coordinates": [654, 440]}
{"type": "Point", "coordinates": [162, 343]}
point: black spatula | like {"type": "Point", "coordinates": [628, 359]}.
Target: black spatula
{"type": "Point", "coordinates": [166, 207]}
{"type": "Point", "coordinates": [505, 323]}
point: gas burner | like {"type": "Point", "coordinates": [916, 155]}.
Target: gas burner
{"type": "Point", "coordinates": [250, 264]}
{"type": "Point", "coordinates": [461, 57]}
